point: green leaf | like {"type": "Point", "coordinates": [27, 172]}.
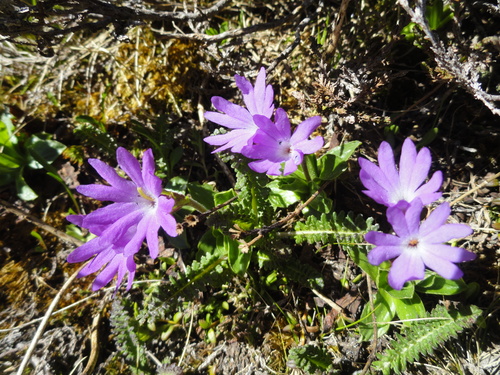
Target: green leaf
{"type": "Point", "coordinates": [23, 190]}
{"type": "Point", "coordinates": [334, 162]}
{"type": "Point", "coordinates": [224, 196]}
{"type": "Point", "coordinates": [435, 284]}
{"type": "Point", "coordinates": [281, 197]}
{"type": "Point", "coordinates": [9, 164]}
{"type": "Point", "coordinates": [384, 310]}
{"type": "Point", "coordinates": [46, 149]}
{"type": "Point", "coordinates": [412, 308]}
{"type": "Point", "coordinates": [7, 137]}
{"type": "Point", "coordinates": [176, 185]}
{"type": "Point", "coordinates": [238, 258]}
{"type": "Point", "coordinates": [423, 336]}
{"type": "Point", "coordinates": [90, 120]}
{"type": "Point", "coordinates": [407, 292]}
{"type": "Point", "coordinates": [310, 162]}
{"type": "Point", "coordinates": [310, 359]}
{"type": "Point", "coordinates": [203, 193]}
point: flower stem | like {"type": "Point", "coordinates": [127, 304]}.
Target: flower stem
{"type": "Point", "coordinates": [306, 170]}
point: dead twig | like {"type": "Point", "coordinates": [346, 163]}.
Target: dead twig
{"type": "Point", "coordinates": [34, 220]}
{"type": "Point", "coordinates": [45, 320]}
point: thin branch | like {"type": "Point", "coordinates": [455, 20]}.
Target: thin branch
{"type": "Point", "coordinates": [34, 220]}
{"type": "Point", "coordinates": [225, 35]}
{"type": "Point", "coordinates": [466, 73]}
{"type": "Point", "coordinates": [469, 192]}
{"type": "Point", "coordinates": [290, 216]}
{"type": "Point", "coordinates": [45, 320]}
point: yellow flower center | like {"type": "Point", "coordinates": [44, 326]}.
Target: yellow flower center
{"type": "Point", "coordinates": [144, 195]}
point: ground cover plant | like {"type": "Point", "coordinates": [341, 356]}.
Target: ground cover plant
{"type": "Point", "coordinates": [264, 187]}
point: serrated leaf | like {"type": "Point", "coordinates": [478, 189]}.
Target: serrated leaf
{"type": "Point", "coordinates": [423, 336]}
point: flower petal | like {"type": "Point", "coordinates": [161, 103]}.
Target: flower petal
{"type": "Point", "coordinates": [428, 192]}
{"type": "Point", "coordinates": [310, 146]}
{"type": "Point", "coordinates": [129, 164]}
{"type": "Point", "coordinates": [109, 214]}
{"type": "Point", "coordinates": [235, 140]}
{"type": "Point", "coordinates": [436, 219]}
{"type": "Point", "coordinates": [107, 273]}
{"type": "Point", "coordinates": [408, 266]}
{"type": "Point", "coordinates": [420, 170]}
{"type": "Point", "coordinates": [397, 219]}
{"type": "Point", "coordinates": [447, 233]}
{"type": "Point", "coordinates": [375, 173]}
{"type": "Point", "coordinates": [109, 174]}
{"type": "Point", "coordinates": [98, 262]}
{"type": "Point", "coordinates": [380, 254]}
{"type": "Point", "coordinates": [165, 219]}
{"type": "Point", "coordinates": [451, 253]}
{"type": "Point", "coordinates": [86, 251]}
{"type": "Point", "coordinates": [387, 165]}
{"type": "Point", "coordinates": [231, 122]}
{"type": "Point", "coordinates": [109, 193]}
{"type": "Point", "coordinates": [443, 267]}
{"type": "Point", "coordinates": [407, 162]}
{"type": "Point", "coordinates": [152, 237]}
{"type": "Point", "coordinates": [235, 111]}
{"type": "Point", "coordinates": [382, 239]}
{"type": "Point", "coordinates": [152, 183]}
{"type": "Point", "coordinates": [305, 129]}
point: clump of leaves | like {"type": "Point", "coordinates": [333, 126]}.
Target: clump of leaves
{"type": "Point", "coordinates": [423, 336]}
{"type": "Point", "coordinates": [310, 359]}
{"type": "Point", "coordinates": [18, 153]}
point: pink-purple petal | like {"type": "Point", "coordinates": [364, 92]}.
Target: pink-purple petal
{"type": "Point", "coordinates": [152, 237]}
{"type": "Point", "coordinates": [428, 191]}
{"type": "Point", "coordinates": [382, 239]}
{"type": "Point", "coordinates": [420, 170]}
{"type": "Point", "coordinates": [109, 214]}
{"type": "Point", "coordinates": [436, 219]}
{"type": "Point", "coordinates": [234, 140]}
{"type": "Point", "coordinates": [305, 129]}
{"type": "Point", "coordinates": [106, 274]}
{"type": "Point", "coordinates": [405, 268]}
{"type": "Point", "coordinates": [230, 122]}
{"type": "Point", "coordinates": [387, 166]}
{"type": "Point", "coordinates": [380, 254]}
{"type": "Point", "coordinates": [397, 219]}
{"type": "Point", "coordinates": [237, 112]}
{"type": "Point", "coordinates": [451, 253]}
{"type": "Point", "coordinates": [108, 193]}
{"type": "Point", "coordinates": [447, 233]}
{"type": "Point", "coordinates": [309, 146]}
{"type": "Point", "coordinates": [443, 267]}
{"type": "Point", "coordinates": [129, 164]}
{"type": "Point", "coordinates": [375, 173]}
{"type": "Point", "coordinates": [407, 161]}
{"type": "Point", "coordinates": [109, 174]}
{"type": "Point", "coordinates": [86, 251]}
{"type": "Point", "coordinates": [101, 259]}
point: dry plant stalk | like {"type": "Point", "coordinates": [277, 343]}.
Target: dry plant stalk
{"type": "Point", "coordinates": [466, 73]}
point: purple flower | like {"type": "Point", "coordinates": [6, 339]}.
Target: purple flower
{"type": "Point", "coordinates": [259, 101]}
{"type": "Point", "coordinates": [416, 246]}
{"type": "Point", "coordinates": [137, 214]}
{"type": "Point", "coordinates": [386, 185]}
{"type": "Point", "coordinates": [280, 152]}
{"type": "Point", "coordinates": [111, 255]}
